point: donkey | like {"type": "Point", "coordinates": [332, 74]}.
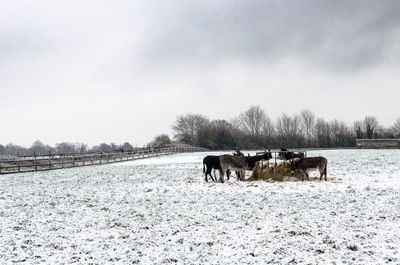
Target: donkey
{"type": "Point", "coordinates": [232, 163]}
{"type": "Point", "coordinates": [236, 153]}
{"type": "Point", "coordinates": [252, 160]}
{"type": "Point", "coordinates": [308, 164]}
{"type": "Point", "coordinates": [210, 163]}
{"type": "Point", "coordinates": [285, 154]}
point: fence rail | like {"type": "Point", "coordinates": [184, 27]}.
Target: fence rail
{"type": "Point", "coordinates": [60, 161]}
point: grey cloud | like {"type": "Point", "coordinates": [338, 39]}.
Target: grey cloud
{"type": "Point", "coordinates": [338, 35]}
{"type": "Point", "coordinates": [102, 59]}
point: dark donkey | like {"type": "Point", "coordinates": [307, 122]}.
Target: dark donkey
{"type": "Point", "coordinates": [210, 163]}
{"type": "Point", "coordinates": [252, 160]}
{"type": "Point", "coordinates": [285, 154]}
{"type": "Point", "coordinates": [310, 163]}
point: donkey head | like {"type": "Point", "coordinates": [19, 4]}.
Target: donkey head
{"type": "Point", "coordinates": [267, 155]}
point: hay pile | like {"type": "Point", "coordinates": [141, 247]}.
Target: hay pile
{"type": "Point", "coordinates": [272, 173]}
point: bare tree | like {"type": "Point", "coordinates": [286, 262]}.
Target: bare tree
{"type": "Point", "coordinates": [252, 121]}
{"type": "Point", "coordinates": [307, 119]}
{"type": "Point", "coordinates": [81, 147]}
{"type": "Point", "coordinates": [1, 149]}
{"type": "Point", "coordinates": [340, 134]}
{"type": "Point", "coordinates": [65, 148]}
{"type": "Point", "coordinates": [12, 149]}
{"type": "Point", "coordinates": [105, 147]}
{"type": "Point", "coordinates": [370, 126]}
{"type": "Point", "coordinates": [396, 127]}
{"type": "Point", "coordinates": [322, 133]}
{"type": "Point", "coordinates": [161, 140]}
{"type": "Point", "coordinates": [256, 127]}
{"type": "Point", "coordinates": [289, 130]}
{"type": "Point", "coordinates": [39, 148]}
{"type": "Point", "coordinates": [358, 129]}
{"type": "Point", "coordinates": [126, 147]}
{"type": "Point", "coordinates": [115, 147]}
{"type": "Point", "coordinates": [382, 132]}
{"type": "Point", "coordinates": [220, 134]}
{"type": "Point", "coordinates": [188, 126]}
{"type": "Point", "coordinates": [268, 131]}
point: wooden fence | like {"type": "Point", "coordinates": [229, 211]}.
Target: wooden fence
{"type": "Point", "coordinates": [59, 161]}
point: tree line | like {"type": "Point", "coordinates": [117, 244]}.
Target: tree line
{"type": "Point", "coordinates": [253, 128]}
{"type": "Point", "coordinates": [39, 148]}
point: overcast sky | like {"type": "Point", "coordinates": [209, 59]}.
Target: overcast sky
{"type": "Point", "coordinates": [113, 71]}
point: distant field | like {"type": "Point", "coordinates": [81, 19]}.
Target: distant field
{"type": "Point", "coordinates": [161, 211]}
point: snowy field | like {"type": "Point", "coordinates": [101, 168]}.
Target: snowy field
{"type": "Point", "coordinates": [161, 211]}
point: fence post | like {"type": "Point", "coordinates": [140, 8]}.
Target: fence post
{"type": "Point", "coordinates": [19, 168]}
{"type": "Point", "coordinates": [35, 160]}
{"type": "Point", "coordinates": [0, 167]}
{"type": "Point", "coordinates": [49, 159]}
{"type": "Point", "coordinates": [62, 161]}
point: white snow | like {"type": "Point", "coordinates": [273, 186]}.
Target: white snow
{"type": "Point", "coordinates": [161, 211]}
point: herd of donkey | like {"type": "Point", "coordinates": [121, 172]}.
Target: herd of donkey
{"type": "Point", "coordinates": [239, 163]}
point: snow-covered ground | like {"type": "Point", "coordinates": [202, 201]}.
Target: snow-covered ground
{"type": "Point", "coordinates": [161, 211]}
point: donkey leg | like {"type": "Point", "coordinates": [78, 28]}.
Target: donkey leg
{"type": "Point", "coordinates": [322, 172]}
{"type": "Point", "coordinates": [208, 173]}
{"type": "Point", "coordinates": [242, 174]}
{"type": "Point", "coordinates": [303, 174]}
{"type": "Point", "coordinates": [221, 175]}
{"type": "Point", "coordinates": [204, 172]}
{"type": "Point", "coordinates": [212, 178]}
{"type": "Point", "coordinates": [237, 173]}
{"type": "Point", "coordinates": [215, 175]}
